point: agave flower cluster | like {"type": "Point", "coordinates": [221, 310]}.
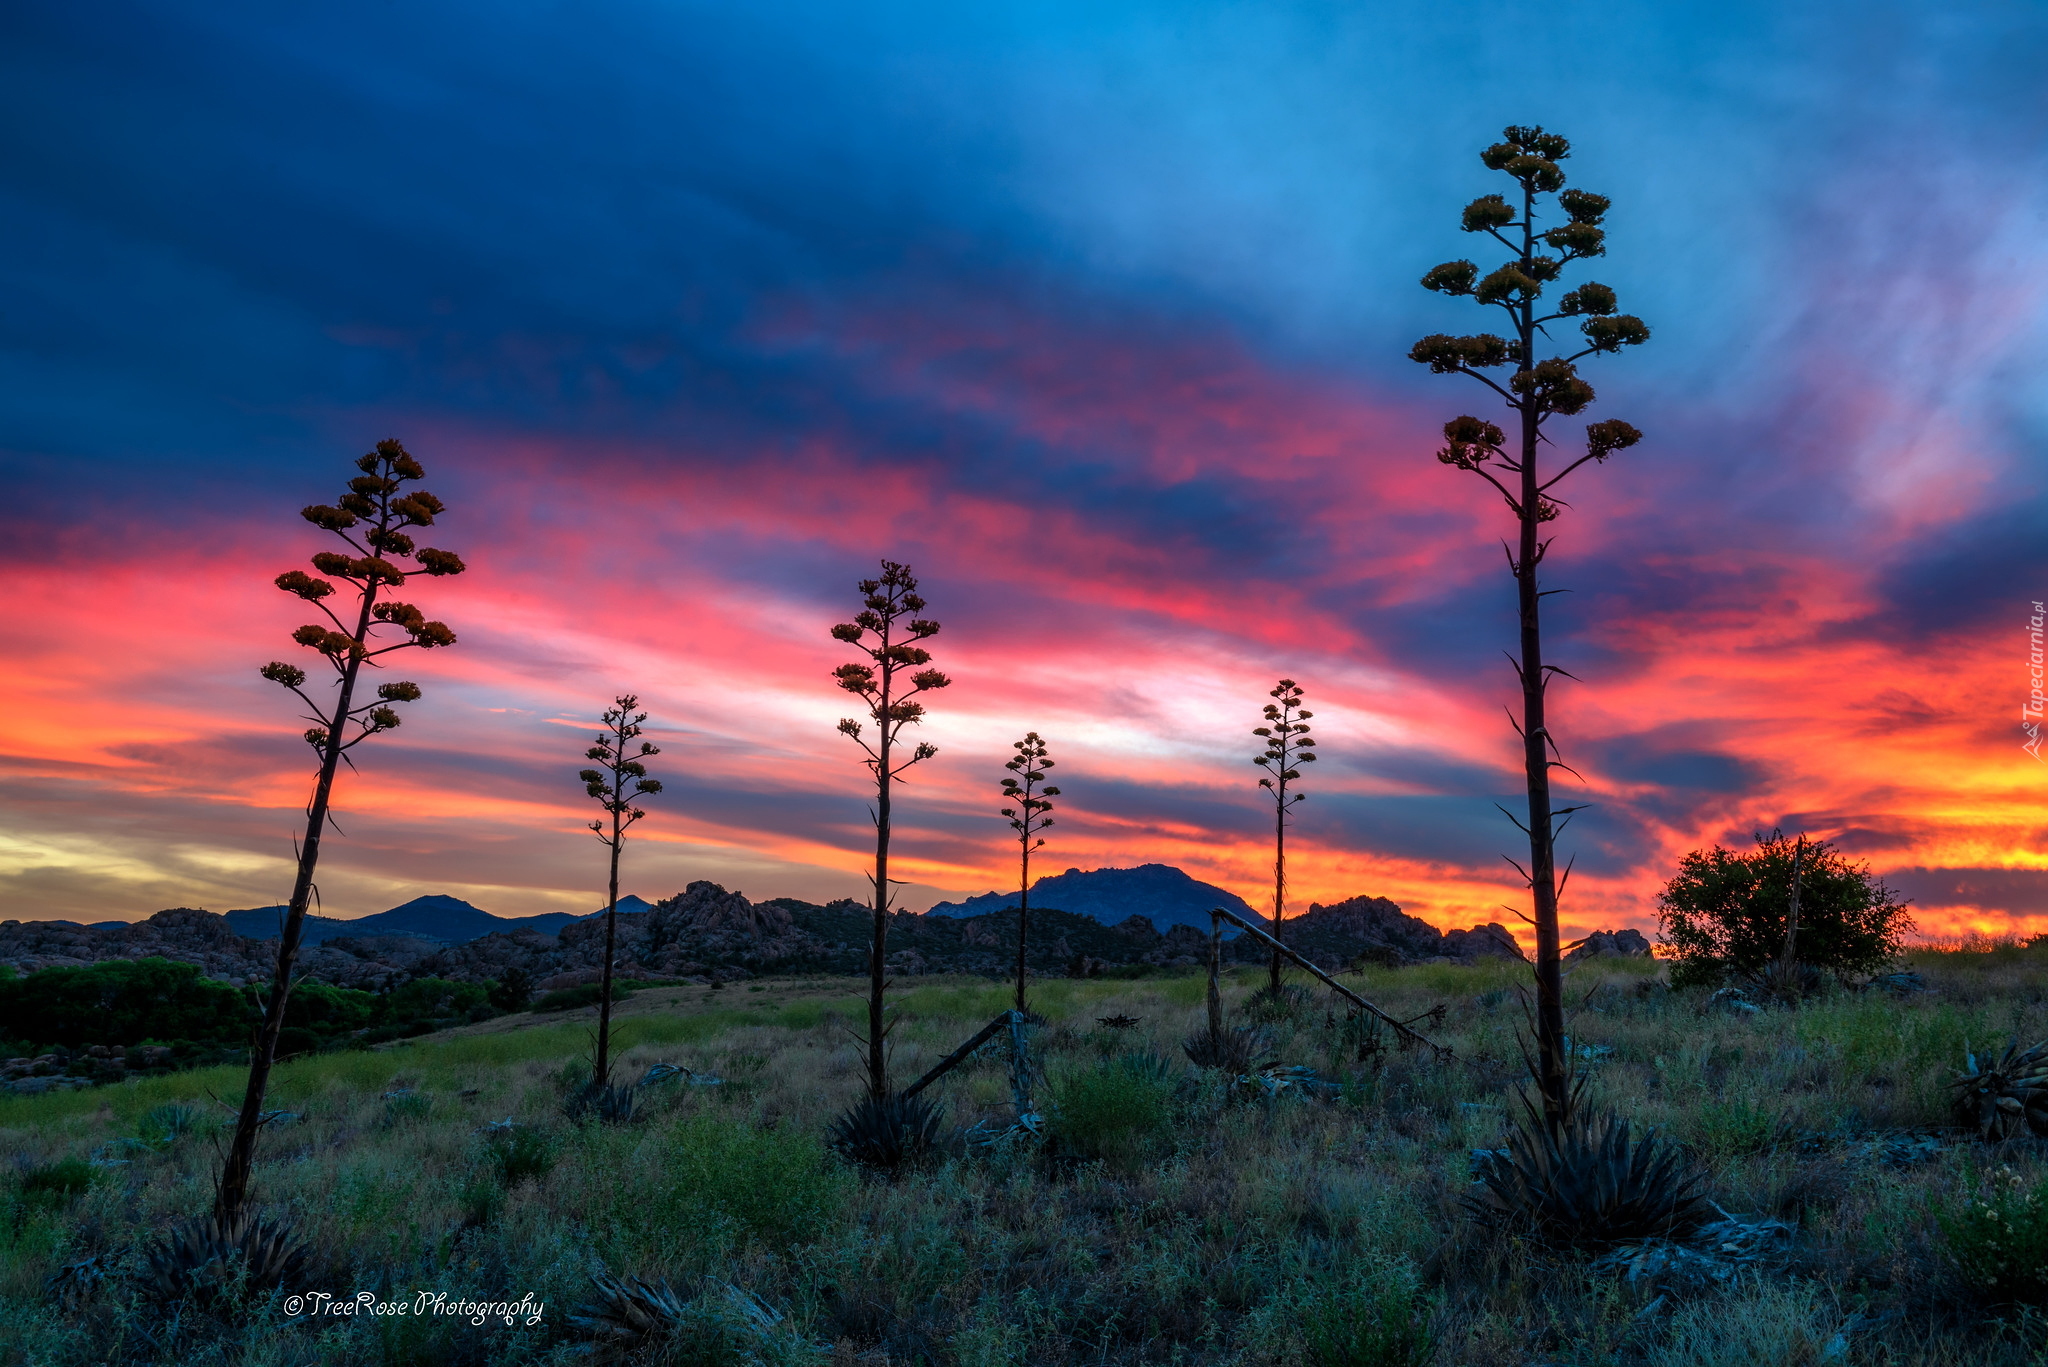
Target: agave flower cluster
{"type": "Point", "coordinates": [374, 517]}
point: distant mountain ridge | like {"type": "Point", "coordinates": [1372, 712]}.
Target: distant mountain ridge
{"type": "Point", "coordinates": [437, 916]}
{"type": "Point", "coordinates": [708, 934]}
{"type": "Point", "coordinates": [1160, 893]}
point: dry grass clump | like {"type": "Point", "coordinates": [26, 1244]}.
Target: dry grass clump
{"type": "Point", "coordinates": [1170, 1215]}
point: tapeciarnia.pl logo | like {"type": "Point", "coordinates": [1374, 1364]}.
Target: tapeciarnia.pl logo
{"type": "Point", "coordinates": [2030, 714]}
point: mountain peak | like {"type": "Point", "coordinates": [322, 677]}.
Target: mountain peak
{"type": "Point", "coordinates": [434, 916]}
{"type": "Point", "coordinates": [1162, 894]}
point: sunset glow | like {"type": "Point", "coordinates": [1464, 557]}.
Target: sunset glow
{"type": "Point", "coordinates": [1097, 321]}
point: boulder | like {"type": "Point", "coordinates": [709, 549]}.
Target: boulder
{"type": "Point", "coordinates": [1490, 941]}
{"type": "Point", "coordinates": [1621, 944]}
{"type": "Point", "coordinates": [1336, 936]}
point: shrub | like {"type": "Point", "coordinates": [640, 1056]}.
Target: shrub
{"type": "Point", "coordinates": [432, 999]}
{"type": "Point", "coordinates": [1725, 912]}
{"type": "Point", "coordinates": [603, 1102]}
{"type": "Point", "coordinates": [324, 1010]}
{"type": "Point", "coordinates": [407, 1107]}
{"type": "Point", "coordinates": [1377, 1317]}
{"type": "Point", "coordinates": [123, 1001]}
{"type": "Point", "coordinates": [1238, 1049]}
{"type": "Point", "coordinates": [513, 991]}
{"type": "Point", "coordinates": [725, 1176]}
{"type": "Point", "coordinates": [1736, 1127]}
{"type": "Point", "coordinates": [1998, 1239]}
{"type": "Point", "coordinates": [57, 1184]}
{"type": "Point", "coordinates": [163, 1126]}
{"type": "Point", "coordinates": [583, 994]}
{"type": "Point", "coordinates": [522, 1153]}
{"type": "Point", "coordinates": [297, 1039]}
{"type": "Point", "coordinates": [1117, 1109]}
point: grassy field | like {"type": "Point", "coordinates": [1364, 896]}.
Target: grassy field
{"type": "Point", "coordinates": [1177, 1220]}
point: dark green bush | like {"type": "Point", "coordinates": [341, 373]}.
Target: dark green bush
{"type": "Point", "coordinates": [56, 1184]}
{"type": "Point", "coordinates": [431, 999]}
{"type": "Point", "coordinates": [1119, 1109]}
{"type": "Point", "coordinates": [297, 1039]}
{"type": "Point", "coordinates": [512, 990]}
{"type": "Point", "coordinates": [777, 1185]}
{"type": "Point", "coordinates": [123, 1001]}
{"type": "Point", "coordinates": [521, 1153]}
{"type": "Point", "coordinates": [1725, 912]}
{"type": "Point", "coordinates": [584, 994]}
{"type": "Point", "coordinates": [1375, 1317]}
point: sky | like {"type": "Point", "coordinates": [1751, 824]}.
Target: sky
{"type": "Point", "coordinates": [1094, 314]}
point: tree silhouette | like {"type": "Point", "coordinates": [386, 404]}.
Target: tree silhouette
{"type": "Point", "coordinates": [1535, 390]}
{"type": "Point", "coordinates": [617, 783]}
{"type": "Point", "coordinates": [373, 520]}
{"type": "Point", "coordinates": [1032, 814]}
{"type": "Point", "coordinates": [1288, 744]}
{"type": "Point", "coordinates": [885, 603]}
{"type": "Point", "coordinates": [1726, 913]}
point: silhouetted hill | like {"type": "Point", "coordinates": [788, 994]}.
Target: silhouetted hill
{"type": "Point", "coordinates": [435, 917]}
{"type": "Point", "coordinates": [1160, 893]}
{"type": "Point", "coordinates": [706, 933]}
{"type": "Point", "coordinates": [264, 923]}
{"type": "Point", "coordinates": [629, 905]}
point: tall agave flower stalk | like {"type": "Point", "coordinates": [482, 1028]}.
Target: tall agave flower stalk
{"type": "Point", "coordinates": [887, 630]}
{"type": "Point", "coordinates": [1535, 390]}
{"type": "Point", "coordinates": [619, 781]}
{"type": "Point", "coordinates": [1032, 814]}
{"type": "Point", "coordinates": [374, 519]}
{"type": "Point", "coordinates": [1288, 744]}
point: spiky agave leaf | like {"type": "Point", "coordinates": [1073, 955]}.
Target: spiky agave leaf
{"type": "Point", "coordinates": [2004, 1099]}
{"type": "Point", "coordinates": [887, 1134]}
{"type": "Point", "coordinates": [76, 1283]}
{"type": "Point", "coordinates": [1592, 1185]}
{"type": "Point", "coordinates": [203, 1261]}
{"type": "Point", "coordinates": [626, 1314]}
{"type": "Point", "coordinates": [1237, 1050]}
{"type": "Point", "coordinates": [603, 1102]}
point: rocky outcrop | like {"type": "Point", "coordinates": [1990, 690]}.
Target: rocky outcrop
{"type": "Point", "coordinates": [201, 937]}
{"type": "Point", "coordinates": [1622, 944]}
{"type": "Point", "coordinates": [1162, 894]}
{"type": "Point", "coordinates": [1374, 930]}
{"type": "Point", "coordinates": [1490, 941]}
{"type": "Point", "coordinates": [710, 934]}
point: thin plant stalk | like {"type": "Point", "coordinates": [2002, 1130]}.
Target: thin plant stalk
{"type": "Point", "coordinates": [1535, 391]}
{"type": "Point", "coordinates": [617, 783]}
{"type": "Point", "coordinates": [1032, 814]}
{"type": "Point", "coordinates": [891, 645]}
{"type": "Point", "coordinates": [1288, 744]}
{"type": "Point", "coordinates": [373, 519]}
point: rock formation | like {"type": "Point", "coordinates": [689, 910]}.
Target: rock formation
{"type": "Point", "coordinates": [709, 934]}
{"type": "Point", "coordinates": [1625, 944]}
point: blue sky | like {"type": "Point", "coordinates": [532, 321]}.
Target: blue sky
{"type": "Point", "coordinates": [720, 304]}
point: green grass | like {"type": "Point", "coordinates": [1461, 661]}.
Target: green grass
{"type": "Point", "coordinates": [1174, 1220]}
